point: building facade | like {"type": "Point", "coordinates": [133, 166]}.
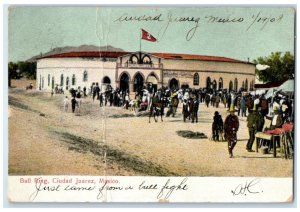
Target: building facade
{"type": "Point", "coordinates": [132, 71]}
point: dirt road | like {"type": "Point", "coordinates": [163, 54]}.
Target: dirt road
{"type": "Point", "coordinates": [43, 139]}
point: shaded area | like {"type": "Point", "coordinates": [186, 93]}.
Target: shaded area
{"type": "Point", "coordinates": [121, 116]}
{"type": "Point", "coordinates": [191, 134]}
{"type": "Point", "coordinates": [84, 145]}
{"type": "Point", "coordinates": [18, 104]}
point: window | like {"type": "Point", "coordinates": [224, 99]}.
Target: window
{"type": "Point", "coordinates": [61, 80]}
{"type": "Point", "coordinates": [48, 79]}
{"type": "Point", "coordinates": [67, 83]}
{"type": "Point", "coordinates": [235, 85]}
{"type": "Point", "coordinates": [196, 79]}
{"type": "Point", "coordinates": [73, 79]}
{"type": "Point", "coordinates": [85, 76]}
{"type": "Point", "coordinates": [53, 82]}
{"type": "Point", "coordinates": [246, 85]}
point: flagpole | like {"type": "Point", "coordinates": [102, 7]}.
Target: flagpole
{"type": "Point", "coordinates": [140, 40]}
{"type": "Point", "coordinates": [140, 54]}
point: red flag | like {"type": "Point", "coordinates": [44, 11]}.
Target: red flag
{"type": "Point", "coordinates": [147, 36]}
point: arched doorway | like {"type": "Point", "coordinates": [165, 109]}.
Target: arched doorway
{"type": "Point", "coordinates": [220, 83]}
{"type": "Point", "coordinates": [152, 83]}
{"type": "Point", "coordinates": [106, 80]}
{"type": "Point", "coordinates": [208, 82]}
{"type": "Point", "coordinates": [246, 85]}
{"type": "Point", "coordinates": [174, 84]}
{"type": "Point", "coordinates": [124, 82]}
{"type": "Point", "coordinates": [138, 82]}
{"type": "Point", "coordinates": [105, 83]}
{"type": "Point", "coordinates": [230, 86]}
{"type": "Point", "coordinates": [214, 85]}
{"type": "Point", "coordinates": [235, 85]}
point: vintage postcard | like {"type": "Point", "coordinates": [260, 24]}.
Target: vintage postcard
{"type": "Point", "coordinates": [151, 104]}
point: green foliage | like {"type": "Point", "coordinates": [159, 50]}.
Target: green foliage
{"type": "Point", "coordinates": [281, 67]}
{"type": "Point", "coordinates": [20, 69]}
{"type": "Point", "coordinates": [27, 69]}
{"type": "Point", "coordinates": [12, 72]}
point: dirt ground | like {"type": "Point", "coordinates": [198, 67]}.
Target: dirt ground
{"type": "Point", "coordinates": [45, 140]}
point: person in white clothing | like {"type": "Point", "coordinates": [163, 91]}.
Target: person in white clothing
{"type": "Point", "coordinates": [66, 104]}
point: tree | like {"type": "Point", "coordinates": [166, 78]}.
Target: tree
{"type": "Point", "coordinates": [281, 67]}
{"type": "Point", "coordinates": [12, 72]}
{"type": "Point", "coordinates": [27, 69]}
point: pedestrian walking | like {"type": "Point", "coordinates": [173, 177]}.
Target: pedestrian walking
{"type": "Point", "coordinates": [231, 127]}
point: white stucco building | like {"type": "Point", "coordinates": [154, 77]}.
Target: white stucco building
{"type": "Point", "coordinates": [130, 71]}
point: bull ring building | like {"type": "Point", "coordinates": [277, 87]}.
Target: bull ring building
{"type": "Point", "coordinates": [133, 70]}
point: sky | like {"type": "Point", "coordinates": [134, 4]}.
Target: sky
{"type": "Point", "coordinates": [234, 32]}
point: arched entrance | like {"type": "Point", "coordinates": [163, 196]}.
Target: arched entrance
{"type": "Point", "coordinates": [230, 86]}
{"type": "Point", "coordinates": [214, 85]}
{"type": "Point", "coordinates": [174, 84]}
{"type": "Point", "coordinates": [208, 82]}
{"type": "Point", "coordinates": [220, 83]}
{"type": "Point", "coordinates": [235, 85]}
{"type": "Point", "coordinates": [124, 82]}
{"type": "Point", "coordinates": [138, 82]}
{"type": "Point", "coordinates": [152, 82]}
{"type": "Point", "coordinates": [105, 85]}
{"type": "Point", "coordinates": [106, 80]}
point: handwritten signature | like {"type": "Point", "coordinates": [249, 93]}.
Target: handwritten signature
{"type": "Point", "coordinates": [246, 188]}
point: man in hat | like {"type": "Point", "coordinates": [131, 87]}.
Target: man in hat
{"type": "Point", "coordinates": [277, 120]}
{"type": "Point", "coordinates": [195, 108]}
{"type": "Point", "coordinates": [252, 121]}
{"type": "Point", "coordinates": [231, 126]}
{"type": "Point", "coordinates": [217, 126]}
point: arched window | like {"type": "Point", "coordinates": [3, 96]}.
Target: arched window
{"type": "Point", "coordinates": [53, 82]}
{"type": "Point", "coordinates": [61, 80]}
{"type": "Point", "coordinates": [196, 79]}
{"type": "Point", "coordinates": [48, 79]}
{"type": "Point", "coordinates": [85, 76]}
{"type": "Point", "coordinates": [235, 85]}
{"type": "Point", "coordinates": [243, 85]}
{"type": "Point", "coordinates": [73, 79]}
{"type": "Point", "coordinates": [67, 83]}
{"type": "Point", "coordinates": [246, 85]}
{"type": "Point", "coordinates": [220, 83]}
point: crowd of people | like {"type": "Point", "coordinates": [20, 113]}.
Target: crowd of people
{"type": "Point", "coordinates": [256, 108]}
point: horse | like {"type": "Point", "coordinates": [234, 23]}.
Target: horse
{"type": "Point", "coordinates": [156, 109]}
